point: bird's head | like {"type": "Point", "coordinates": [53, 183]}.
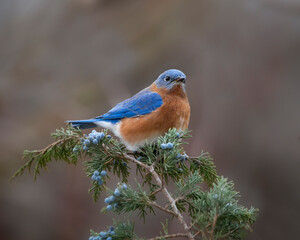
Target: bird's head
{"type": "Point", "coordinates": [170, 78]}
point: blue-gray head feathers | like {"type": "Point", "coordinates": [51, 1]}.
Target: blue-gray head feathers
{"type": "Point", "coordinates": [170, 78]}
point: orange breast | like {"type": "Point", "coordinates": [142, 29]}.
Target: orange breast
{"type": "Point", "coordinates": [175, 112]}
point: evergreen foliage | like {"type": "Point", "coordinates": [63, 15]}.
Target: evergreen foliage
{"type": "Point", "coordinates": [211, 204]}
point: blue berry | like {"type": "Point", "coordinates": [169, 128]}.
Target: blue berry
{"type": "Point", "coordinates": [116, 205]}
{"type": "Point", "coordinates": [95, 141]}
{"type": "Point", "coordinates": [178, 156]}
{"type": "Point", "coordinates": [94, 177]}
{"type": "Point", "coordinates": [124, 186]}
{"type": "Point", "coordinates": [124, 164]}
{"type": "Point", "coordinates": [82, 140]}
{"type": "Point", "coordinates": [86, 142]}
{"type": "Point", "coordinates": [183, 157]}
{"type": "Point", "coordinates": [109, 207]}
{"type": "Point", "coordinates": [108, 136]}
{"type": "Point", "coordinates": [103, 173]}
{"type": "Point", "coordinates": [100, 135]}
{"type": "Point", "coordinates": [100, 182]}
{"type": "Point", "coordinates": [94, 131]}
{"type": "Point", "coordinates": [91, 238]}
{"type": "Point", "coordinates": [169, 145]}
{"type": "Point", "coordinates": [91, 138]}
{"type": "Point", "coordinates": [85, 148]}
{"type": "Point", "coordinates": [177, 134]}
{"type": "Point", "coordinates": [163, 146]}
{"type": "Point", "coordinates": [109, 238]}
{"type": "Point", "coordinates": [96, 173]}
{"type": "Point", "coordinates": [75, 149]}
{"type": "Point", "coordinates": [103, 234]}
{"type": "Point", "coordinates": [117, 192]}
{"type": "Point", "coordinates": [112, 198]}
{"type": "Point", "coordinates": [111, 228]}
{"type": "Point", "coordinates": [98, 178]}
{"type": "Point", "coordinates": [112, 232]}
{"type": "Point", "coordinates": [107, 200]}
{"type": "Point", "coordinates": [97, 238]}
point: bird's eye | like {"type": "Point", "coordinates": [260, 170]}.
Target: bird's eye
{"type": "Point", "coordinates": [167, 78]}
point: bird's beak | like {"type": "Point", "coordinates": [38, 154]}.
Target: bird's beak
{"type": "Point", "coordinates": [180, 79]}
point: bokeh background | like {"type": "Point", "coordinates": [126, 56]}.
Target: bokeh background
{"type": "Point", "coordinates": [75, 59]}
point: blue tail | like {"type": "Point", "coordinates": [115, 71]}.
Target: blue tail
{"type": "Point", "coordinates": [83, 124]}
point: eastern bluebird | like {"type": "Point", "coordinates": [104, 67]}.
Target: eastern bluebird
{"type": "Point", "coordinates": [148, 114]}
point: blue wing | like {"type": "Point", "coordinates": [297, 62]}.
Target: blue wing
{"type": "Point", "coordinates": [140, 104]}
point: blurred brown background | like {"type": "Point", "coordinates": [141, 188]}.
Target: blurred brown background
{"type": "Point", "coordinates": [75, 59]}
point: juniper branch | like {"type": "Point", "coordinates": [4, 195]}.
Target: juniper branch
{"type": "Point", "coordinates": [154, 204]}
{"type": "Point", "coordinates": [214, 213]}
{"type": "Point", "coordinates": [165, 191]}
{"type": "Point", "coordinates": [213, 227]}
{"type": "Point", "coordinates": [177, 235]}
{"type": "Point", "coordinates": [61, 149]}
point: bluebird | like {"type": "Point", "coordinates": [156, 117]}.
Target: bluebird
{"type": "Point", "coordinates": [148, 114]}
